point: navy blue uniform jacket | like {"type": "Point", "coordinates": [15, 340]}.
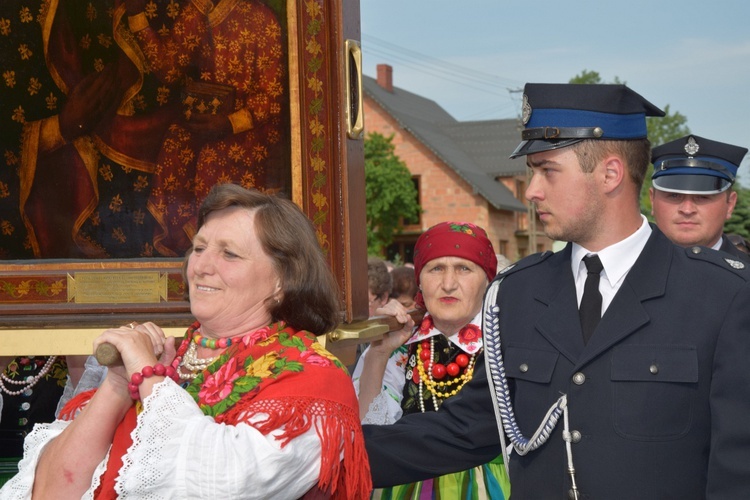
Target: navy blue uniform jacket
{"type": "Point", "coordinates": [663, 412]}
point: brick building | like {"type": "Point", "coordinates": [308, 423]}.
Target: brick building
{"type": "Point", "coordinates": [461, 169]}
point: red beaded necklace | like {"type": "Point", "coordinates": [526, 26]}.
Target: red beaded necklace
{"type": "Point", "coordinates": [429, 371]}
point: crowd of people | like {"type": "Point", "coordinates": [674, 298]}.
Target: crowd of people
{"type": "Point", "coordinates": [613, 368]}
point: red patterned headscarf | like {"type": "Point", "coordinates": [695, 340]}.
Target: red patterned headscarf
{"type": "Point", "coordinates": [454, 239]}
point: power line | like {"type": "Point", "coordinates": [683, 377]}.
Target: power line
{"type": "Point", "coordinates": [438, 73]}
{"type": "Point", "coordinates": [469, 78]}
{"type": "Point", "coordinates": [426, 61]}
{"type": "Point", "coordinates": [508, 110]}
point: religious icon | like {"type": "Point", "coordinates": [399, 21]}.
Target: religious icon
{"type": "Point", "coordinates": [117, 117]}
{"type": "Point", "coordinates": [101, 157]}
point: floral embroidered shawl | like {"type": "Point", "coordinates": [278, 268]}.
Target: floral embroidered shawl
{"type": "Point", "coordinates": [288, 375]}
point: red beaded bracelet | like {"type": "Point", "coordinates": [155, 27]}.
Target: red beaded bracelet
{"type": "Point", "coordinates": [148, 371]}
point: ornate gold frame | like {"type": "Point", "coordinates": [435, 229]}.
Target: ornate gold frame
{"type": "Point", "coordinates": [51, 306]}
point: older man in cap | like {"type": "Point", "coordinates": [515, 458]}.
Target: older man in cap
{"type": "Point", "coordinates": [617, 367]}
{"type": "Point", "coordinates": [692, 193]}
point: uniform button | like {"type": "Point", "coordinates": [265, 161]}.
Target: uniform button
{"type": "Point", "coordinates": [524, 368]}
{"type": "Point", "coordinates": [653, 369]}
{"type": "Point", "coordinates": [696, 250]}
{"type": "Point", "coordinates": [575, 437]}
{"type": "Point", "coordinates": [579, 378]}
{"type": "Point", "coordinates": [25, 406]}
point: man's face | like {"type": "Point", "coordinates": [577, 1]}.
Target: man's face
{"type": "Point", "coordinates": [567, 200]}
{"type": "Point", "coordinates": [692, 219]}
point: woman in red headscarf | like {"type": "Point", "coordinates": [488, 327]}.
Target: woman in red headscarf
{"type": "Point", "coordinates": [416, 369]}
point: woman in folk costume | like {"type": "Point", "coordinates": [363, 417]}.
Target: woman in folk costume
{"type": "Point", "coordinates": [453, 263]}
{"type": "Point", "coordinates": [250, 405]}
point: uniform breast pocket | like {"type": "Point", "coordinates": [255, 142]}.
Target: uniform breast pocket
{"type": "Point", "coordinates": [653, 387]}
{"type": "Point", "coordinates": [530, 370]}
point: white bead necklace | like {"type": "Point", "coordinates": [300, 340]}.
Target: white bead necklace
{"type": "Point", "coordinates": [193, 364]}
{"type": "Point", "coordinates": [28, 382]}
{"type": "Point", "coordinates": [421, 383]}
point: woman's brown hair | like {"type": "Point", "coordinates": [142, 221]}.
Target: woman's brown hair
{"type": "Point", "coordinates": [309, 292]}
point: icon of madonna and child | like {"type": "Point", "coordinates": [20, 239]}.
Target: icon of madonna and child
{"type": "Point", "coordinates": [118, 116]}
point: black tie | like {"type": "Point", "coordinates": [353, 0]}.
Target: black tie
{"type": "Point", "coordinates": [590, 311]}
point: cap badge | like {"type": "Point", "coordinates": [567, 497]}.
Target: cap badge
{"type": "Point", "coordinates": [736, 264]}
{"type": "Point", "coordinates": [691, 147]}
{"type": "Point", "coordinates": [525, 110]}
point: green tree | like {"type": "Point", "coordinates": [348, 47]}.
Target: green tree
{"type": "Point", "coordinates": [660, 130]}
{"type": "Point", "coordinates": [591, 77]}
{"type": "Point", "coordinates": [739, 222]}
{"type": "Point", "coordinates": [389, 193]}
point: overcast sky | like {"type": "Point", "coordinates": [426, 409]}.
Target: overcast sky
{"type": "Point", "coordinates": [472, 57]}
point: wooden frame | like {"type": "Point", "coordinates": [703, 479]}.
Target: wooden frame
{"type": "Point", "coordinates": [45, 297]}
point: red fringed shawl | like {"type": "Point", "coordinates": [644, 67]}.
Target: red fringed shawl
{"type": "Point", "coordinates": [287, 375]}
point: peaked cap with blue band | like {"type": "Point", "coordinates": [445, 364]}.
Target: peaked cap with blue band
{"type": "Point", "coordinates": [557, 115]}
{"type": "Point", "coordinates": [694, 165]}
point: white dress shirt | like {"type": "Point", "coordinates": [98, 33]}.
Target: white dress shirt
{"type": "Point", "coordinates": [617, 260]}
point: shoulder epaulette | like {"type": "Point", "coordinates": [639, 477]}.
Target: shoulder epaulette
{"type": "Point", "coordinates": [720, 259]}
{"type": "Point", "coordinates": [525, 263]}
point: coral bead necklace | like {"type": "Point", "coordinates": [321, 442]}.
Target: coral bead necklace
{"type": "Point", "coordinates": [429, 370]}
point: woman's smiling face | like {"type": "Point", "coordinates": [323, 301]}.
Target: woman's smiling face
{"type": "Point", "coordinates": [229, 275]}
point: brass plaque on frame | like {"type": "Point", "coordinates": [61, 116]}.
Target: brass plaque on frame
{"type": "Point", "coordinates": [127, 287]}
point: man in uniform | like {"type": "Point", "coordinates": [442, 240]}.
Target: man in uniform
{"type": "Point", "coordinates": [692, 191]}
{"type": "Point", "coordinates": [652, 391]}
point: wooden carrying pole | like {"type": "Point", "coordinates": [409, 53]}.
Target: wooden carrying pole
{"type": "Point", "coordinates": [79, 341]}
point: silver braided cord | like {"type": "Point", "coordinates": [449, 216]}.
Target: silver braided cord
{"type": "Point", "coordinates": [500, 393]}
{"type": "Point", "coordinates": [499, 384]}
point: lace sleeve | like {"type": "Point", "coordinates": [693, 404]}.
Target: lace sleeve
{"type": "Point", "coordinates": [178, 452]}
{"type": "Point", "coordinates": [22, 484]}
{"type": "Point", "coordinates": [386, 407]}
{"type": "Point", "coordinates": [382, 411]}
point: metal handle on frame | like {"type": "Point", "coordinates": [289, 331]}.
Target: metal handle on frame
{"type": "Point", "coordinates": [355, 121]}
